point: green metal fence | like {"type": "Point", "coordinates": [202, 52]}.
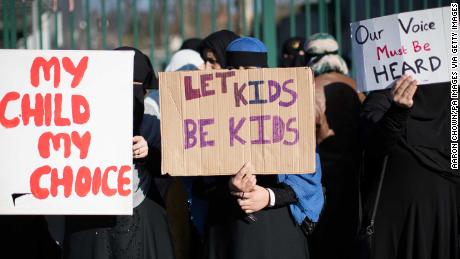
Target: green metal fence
{"type": "Point", "coordinates": [155, 25]}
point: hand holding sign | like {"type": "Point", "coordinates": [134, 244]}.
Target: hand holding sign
{"type": "Point", "coordinates": [404, 91]}
{"type": "Point", "coordinates": [244, 180]}
{"type": "Point", "coordinates": [140, 147]}
{"type": "Point", "coordinates": [255, 200]}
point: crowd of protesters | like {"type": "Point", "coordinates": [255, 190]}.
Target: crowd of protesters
{"type": "Point", "coordinates": [382, 189]}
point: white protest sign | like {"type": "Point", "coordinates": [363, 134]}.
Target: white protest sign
{"type": "Point", "coordinates": [414, 43]}
{"type": "Point", "coordinates": [66, 132]}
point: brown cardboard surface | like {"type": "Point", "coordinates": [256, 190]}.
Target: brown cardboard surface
{"type": "Point", "coordinates": [196, 155]}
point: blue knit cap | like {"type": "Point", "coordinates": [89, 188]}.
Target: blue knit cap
{"type": "Point", "coordinates": [246, 51]}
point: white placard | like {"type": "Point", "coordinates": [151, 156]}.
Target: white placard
{"type": "Point", "coordinates": [82, 99]}
{"type": "Point", "coordinates": [415, 43]}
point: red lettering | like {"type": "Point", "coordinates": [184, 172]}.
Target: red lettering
{"type": "Point", "coordinates": [83, 181]}
{"type": "Point", "coordinates": [44, 143]}
{"type": "Point", "coordinates": [78, 71]}
{"type": "Point", "coordinates": [28, 111]}
{"type": "Point", "coordinates": [96, 180]}
{"type": "Point", "coordinates": [37, 191]}
{"type": "Point", "coordinates": [383, 50]}
{"type": "Point", "coordinates": [48, 109]}
{"type": "Point", "coordinates": [105, 185]}
{"type": "Point", "coordinates": [416, 46]}
{"type": "Point", "coordinates": [40, 62]}
{"type": "Point", "coordinates": [78, 102]}
{"type": "Point", "coordinates": [123, 180]}
{"type": "Point", "coordinates": [58, 120]}
{"type": "Point", "coordinates": [66, 181]}
{"type": "Point", "coordinates": [8, 123]}
{"type": "Point", "coordinates": [82, 142]}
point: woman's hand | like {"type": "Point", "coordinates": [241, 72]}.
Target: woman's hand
{"type": "Point", "coordinates": [253, 201]}
{"type": "Point", "coordinates": [244, 180]}
{"type": "Point", "coordinates": [403, 91]}
{"type": "Point", "coordinates": [140, 147]}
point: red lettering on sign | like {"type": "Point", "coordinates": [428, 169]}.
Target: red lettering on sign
{"type": "Point", "coordinates": [8, 123]}
{"type": "Point", "coordinates": [77, 71]}
{"type": "Point", "coordinates": [122, 181]}
{"type": "Point", "coordinates": [78, 117]}
{"type": "Point", "coordinates": [37, 191]}
{"type": "Point", "coordinates": [28, 111]}
{"type": "Point", "coordinates": [66, 181]}
{"type": "Point", "coordinates": [80, 183]}
{"type": "Point", "coordinates": [40, 62]}
{"type": "Point", "coordinates": [106, 190]}
{"type": "Point", "coordinates": [53, 63]}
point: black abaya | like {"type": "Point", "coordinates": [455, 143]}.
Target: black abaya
{"type": "Point", "coordinates": [231, 235]}
{"type": "Point", "coordinates": [417, 213]}
{"type": "Point", "coordinates": [145, 234]}
{"type": "Point", "coordinates": [340, 155]}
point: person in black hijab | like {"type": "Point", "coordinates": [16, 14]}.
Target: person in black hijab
{"type": "Point", "coordinates": [338, 142]}
{"type": "Point", "coordinates": [293, 54]}
{"type": "Point", "coordinates": [212, 49]}
{"type": "Point", "coordinates": [192, 43]}
{"type": "Point", "coordinates": [145, 234]}
{"type": "Point", "coordinates": [263, 217]}
{"type": "Point", "coordinates": [417, 210]}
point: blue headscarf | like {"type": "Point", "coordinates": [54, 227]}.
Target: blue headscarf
{"type": "Point", "coordinates": [309, 192]}
{"type": "Point", "coordinates": [246, 51]}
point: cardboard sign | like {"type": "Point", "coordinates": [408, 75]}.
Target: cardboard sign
{"type": "Point", "coordinates": [66, 132]}
{"type": "Point", "coordinates": [415, 43]}
{"type": "Point", "coordinates": [212, 122]}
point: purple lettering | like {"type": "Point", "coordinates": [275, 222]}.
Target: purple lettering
{"type": "Point", "coordinates": [239, 97]}
{"type": "Point", "coordinates": [224, 76]}
{"type": "Point", "coordinates": [273, 96]}
{"type": "Point", "coordinates": [293, 130]}
{"type": "Point", "coordinates": [257, 99]}
{"type": "Point", "coordinates": [234, 131]}
{"type": "Point", "coordinates": [260, 120]}
{"type": "Point", "coordinates": [278, 129]}
{"type": "Point", "coordinates": [189, 133]}
{"type": "Point", "coordinates": [190, 93]}
{"type": "Point", "coordinates": [203, 133]}
{"type": "Point", "coordinates": [204, 85]}
{"type": "Point", "coordinates": [289, 91]}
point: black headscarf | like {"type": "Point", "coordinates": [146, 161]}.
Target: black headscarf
{"type": "Point", "coordinates": [217, 42]}
{"type": "Point", "coordinates": [291, 48]}
{"type": "Point", "coordinates": [142, 73]}
{"type": "Point", "coordinates": [192, 43]}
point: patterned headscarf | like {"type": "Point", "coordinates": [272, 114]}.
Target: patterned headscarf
{"type": "Point", "coordinates": [322, 54]}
